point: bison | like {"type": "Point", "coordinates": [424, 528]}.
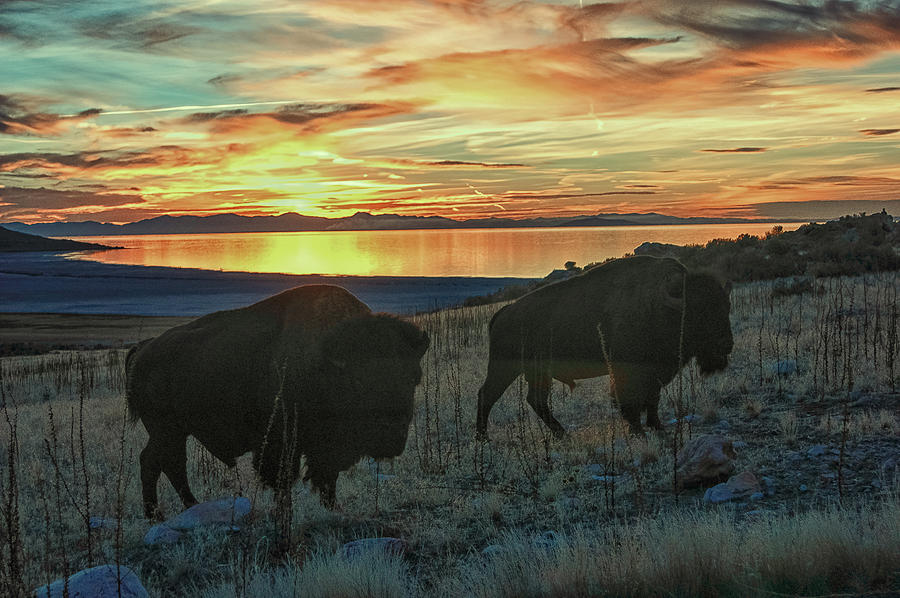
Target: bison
{"type": "Point", "coordinates": [308, 372]}
{"type": "Point", "coordinates": [639, 319]}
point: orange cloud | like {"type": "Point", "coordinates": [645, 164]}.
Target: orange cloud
{"type": "Point", "coordinates": [16, 120]}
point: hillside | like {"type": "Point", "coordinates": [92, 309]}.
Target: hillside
{"type": "Point", "coordinates": [853, 244]}
{"type": "Point", "coordinates": [808, 408]}
{"type": "Point", "coordinates": [15, 241]}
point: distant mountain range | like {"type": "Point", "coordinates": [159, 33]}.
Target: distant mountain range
{"type": "Point", "coordinates": [293, 222]}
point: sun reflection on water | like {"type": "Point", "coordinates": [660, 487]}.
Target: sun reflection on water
{"type": "Point", "coordinates": [526, 252]}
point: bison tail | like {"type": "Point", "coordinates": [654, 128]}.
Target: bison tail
{"type": "Point", "coordinates": [131, 400]}
{"type": "Point", "coordinates": [133, 414]}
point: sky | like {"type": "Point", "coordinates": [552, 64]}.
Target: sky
{"type": "Point", "coordinates": [119, 111]}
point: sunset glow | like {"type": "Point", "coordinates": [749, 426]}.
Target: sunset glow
{"type": "Point", "coordinates": [459, 108]}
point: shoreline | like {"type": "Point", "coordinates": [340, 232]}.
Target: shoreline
{"type": "Point", "coordinates": [49, 283]}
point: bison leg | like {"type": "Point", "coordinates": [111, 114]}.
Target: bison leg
{"type": "Point", "coordinates": [324, 481]}
{"type": "Point", "coordinates": [652, 406]}
{"type": "Point", "coordinates": [538, 397]}
{"type": "Point", "coordinates": [500, 375]}
{"type": "Point", "coordinates": [175, 469]}
{"type": "Point", "coordinates": [632, 385]}
{"type": "Point", "coordinates": [150, 470]}
{"type": "Point", "coordinates": [166, 454]}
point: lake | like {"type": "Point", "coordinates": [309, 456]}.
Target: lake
{"type": "Point", "coordinates": [523, 252]}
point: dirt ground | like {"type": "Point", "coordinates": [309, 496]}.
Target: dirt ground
{"type": "Point", "coordinates": [27, 333]}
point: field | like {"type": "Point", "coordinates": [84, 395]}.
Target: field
{"type": "Point", "coordinates": [811, 398]}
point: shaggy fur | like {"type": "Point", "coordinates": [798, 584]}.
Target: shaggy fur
{"type": "Point", "coordinates": [622, 318]}
{"type": "Point", "coordinates": [309, 372]}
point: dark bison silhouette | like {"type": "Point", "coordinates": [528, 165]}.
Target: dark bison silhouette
{"type": "Point", "coordinates": [623, 318]}
{"type": "Point", "coordinates": [310, 371]}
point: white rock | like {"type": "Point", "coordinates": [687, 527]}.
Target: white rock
{"type": "Point", "coordinates": [548, 541]}
{"type": "Point", "coordinates": [817, 450]}
{"type": "Point", "coordinates": [96, 582]}
{"type": "Point", "coordinates": [740, 486]}
{"type": "Point", "coordinates": [103, 522]}
{"type": "Point", "coordinates": [215, 512]}
{"type": "Point", "coordinates": [161, 534]}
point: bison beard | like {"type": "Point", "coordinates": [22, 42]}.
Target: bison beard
{"type": "Point", "coordinates": [310, 373]}
{"type": "Point", "coordinates": [637, 319]}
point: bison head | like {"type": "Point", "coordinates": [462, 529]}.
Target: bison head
{"type": "Point", "coordinates": [373, 367]}
{"type": "Point", "coordinates": [707, 327]}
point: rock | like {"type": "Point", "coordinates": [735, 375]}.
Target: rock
{"type": "Point", "coordinates": [717, 494]}
{"type": "Point", "coordinates": [740, 486]}
{"type": "Point", "coordinates": [739, 445]}
{"type": "Point", "coordinates": [803, 488]}
{"type": "Point", "coordinates": [769, 485]}
{"type": "Point", "coordinates": [817, 450]}
{"type": "Point", "coordinates": [224, 511]}
{"type": "Point", "coordinates": [96, 582]}
{"type": "Point", "coordinates": [548, 540]}
{"type": "Point", "coordinates": [703, 459]}
{"type": "Point", "coordinates": [889, 465]}
{"type": "Point", "coordinates": [723, 425]}
{"type": "Point", "coordinates": [103, 523]}
{"type": "Point", "coordinates": [161, 534]}
{"type": "Point", "coordinates": [389, 546]}
{"type": "Point", "coordinates": [691, 418]}
{"type": "Point", "coordinates": [785, 367]}
{"type": "Point", "coordinates": [657, 249]}
{"type": "Point", "coordinates": [757, 496]}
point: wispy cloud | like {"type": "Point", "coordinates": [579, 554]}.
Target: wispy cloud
{"type": "Point", "coordinates": [737, 150]}
{"type": "Point", "coordinates": [878, 132]}
{"type": "Point", "coordinates": [450, 107]}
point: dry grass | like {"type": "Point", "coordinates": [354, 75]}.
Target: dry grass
{"type": "Point", "coordinates": [67, 456]}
